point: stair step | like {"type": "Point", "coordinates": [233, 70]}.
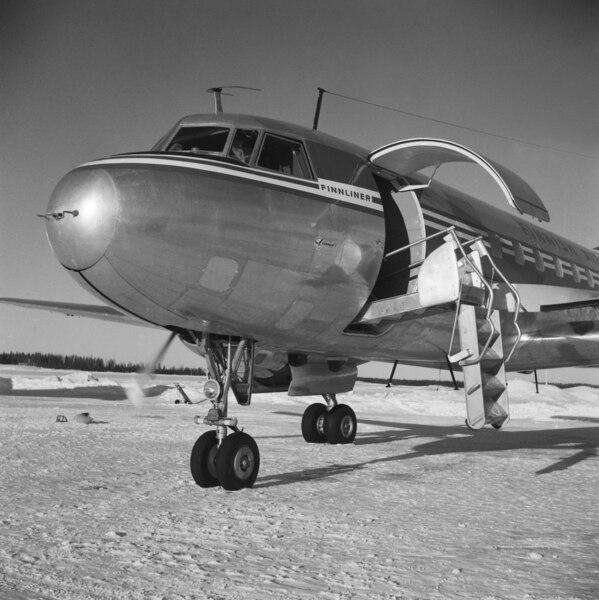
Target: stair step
{"type": "Point", "coordinates": [492, 355]}
{"type": "Point", "coordinates": [495, 414]}
{"type": "Point", "coordinates": [485, 386]}
{"type": "Point", "coordinates": [493, 387]}
{"type": "Point", "coordinates": [485, 333]}
{"type": "Point", "coordinates": [491, 366]}
{"type": "Point", "coordinates": [475, 296]}
{"type": "Point", "coordinates": [484, 328]}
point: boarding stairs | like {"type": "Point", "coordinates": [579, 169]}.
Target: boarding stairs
{"type": "Point", "coordinates": [484, 292]}
{"type": "Point", "coordinates": [462, 274]}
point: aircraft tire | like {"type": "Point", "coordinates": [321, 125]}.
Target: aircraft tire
{"type": "Point", "coordinates": [341, 425]}
{"type": "Point", "coordinates": [237, 461]}
{"type": "Point", "coordinates": [314, 423]}
{"type": "Point", "coordinates": [203, 460]}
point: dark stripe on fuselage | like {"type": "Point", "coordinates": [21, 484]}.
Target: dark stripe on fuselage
{"type": "Point", "coordinates": [246, 175]}
{"type": "Point", "coordinates": [220, 162]}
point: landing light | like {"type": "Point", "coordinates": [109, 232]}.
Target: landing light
{"type": "Point", "coordinates": [212, 389]}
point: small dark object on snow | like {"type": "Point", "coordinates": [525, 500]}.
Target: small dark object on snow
{"type": "Point", "coordinates": [83, 418]}
{"type": "Point", "coordinates": [183, 395]}
{"type": "Point", "coordinates": [61, 419]}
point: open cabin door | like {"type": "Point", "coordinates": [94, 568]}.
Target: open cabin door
{"type": "Point", "coordinates": [404, 227]}
{"type": "Point", "coordinates": [405, 243]}
{"type": "Point", "coordinates": [407, 157]}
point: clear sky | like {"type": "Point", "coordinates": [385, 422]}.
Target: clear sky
{"type": "Point", "coordinates": [82, 79]}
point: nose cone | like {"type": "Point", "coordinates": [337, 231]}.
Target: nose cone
{"type": "Point", "coordinates": [82, 217]}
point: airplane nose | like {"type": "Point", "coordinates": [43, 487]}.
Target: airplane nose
{"type": "Point", "coordinates": [82, 217]}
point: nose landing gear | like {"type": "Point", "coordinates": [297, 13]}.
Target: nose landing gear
{"type": "Point", "coordinates": [231, 461]}
{"type": "Point", "coordinates": [331, 423]}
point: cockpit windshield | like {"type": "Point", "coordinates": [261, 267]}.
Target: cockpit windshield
{"type": "Point", "coordinates": [199, 139]}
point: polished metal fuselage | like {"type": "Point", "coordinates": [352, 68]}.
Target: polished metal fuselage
{"type": "Point", "coordinates": [209, 245]}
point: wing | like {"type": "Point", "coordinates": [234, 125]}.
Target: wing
{"type": "Point", "coordinates": [94, 311]}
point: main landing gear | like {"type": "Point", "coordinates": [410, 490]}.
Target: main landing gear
{"type": "Point", "coordinates": [231, 460]}
{"type": "Point", "coordinates": [331, 423]}
{"type": "Point", "coordinates": [226, 456]}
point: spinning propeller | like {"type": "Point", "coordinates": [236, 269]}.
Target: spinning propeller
{"type": "Point", "coordinates": [136, 389]}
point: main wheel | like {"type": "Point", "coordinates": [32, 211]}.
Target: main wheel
{"type": "Point", "coordinates": [237, 461]}
{"type": "Point", "coordinates": [341, 425]}
{"type": "Point", "coordinates": [203, 460]}
{"type": "Point", "coordinates": [313, 423]}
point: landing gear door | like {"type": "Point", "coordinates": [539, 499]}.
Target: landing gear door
{"type": "Point", "coordinates": [243, 374]}
{"type": "Point", "coordinates": [231, 363]}
{"type": "Point", "coordinates": [407, 157]}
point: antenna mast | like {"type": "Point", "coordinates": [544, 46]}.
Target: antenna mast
{"type": "Point", "coordinates": [318, 105]}
{"type": "Point", "coordinates": [218, 92]}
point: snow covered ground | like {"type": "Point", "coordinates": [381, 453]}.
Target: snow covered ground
{"type": "Point", "coordinates": [418, 507]}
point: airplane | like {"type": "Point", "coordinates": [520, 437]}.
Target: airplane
{"type": "Point", "coordinates": [286, 257]}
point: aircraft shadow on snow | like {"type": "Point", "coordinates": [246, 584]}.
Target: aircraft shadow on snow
{"type": "Point", "coordinates": [575, 445]}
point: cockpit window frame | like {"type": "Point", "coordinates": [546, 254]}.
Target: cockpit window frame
{"type": "Point", "coordinates": [255, 148]}
{"type": "Point", "coordinates": [222, 152]}
{"type": "Point", "coordinates": [304, 156]}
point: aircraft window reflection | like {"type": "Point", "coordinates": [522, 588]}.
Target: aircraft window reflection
{"type": "Point", "coordinates": [243, 144]}
{"type": "Point", "coordinates": [285, 156]}
{"type": "Point", "coordinates": [199, 139]}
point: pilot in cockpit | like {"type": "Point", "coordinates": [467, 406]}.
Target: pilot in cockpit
{"type": "Point", "coordinates": [238, 151]}
{"type": "Point", "coordinates": [243, 145]}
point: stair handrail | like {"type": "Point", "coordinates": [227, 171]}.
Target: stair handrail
{"type": "Point", "coordinates": [518, 306]}
{"type": "Point", "coordinates": [420, 241]}
{"type": "Point", "coordinates": [514, 293]}
{"type": "Point", "coordinates": [461, 246]}
{"type": "Point", "coordinates": [490, 297]}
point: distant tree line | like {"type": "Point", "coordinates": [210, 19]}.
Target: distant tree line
{"type": "Point", "coordinates": [86, 363]}
{"type": "Point", "coordinates": [411, 382]}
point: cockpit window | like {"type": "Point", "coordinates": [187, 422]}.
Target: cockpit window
{"type": "Point", "coordinates": [199, 139]}
{"type": "Point", "coordinates": [243, 144]}
{"type": "Point", "coordinates": [285, 156]}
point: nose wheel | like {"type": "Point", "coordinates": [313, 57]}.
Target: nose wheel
{"type": "Point", "coordinates": [233, 465]}
{"type": "Point", "coordinates": [231, 460]}
{"type": "Point", "coordinates": [237, 461]}
{"type": "Point", "coordinates": [203, 460]}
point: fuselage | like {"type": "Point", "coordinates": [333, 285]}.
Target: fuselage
{"type": "Point", "coordinates": [277, 233]}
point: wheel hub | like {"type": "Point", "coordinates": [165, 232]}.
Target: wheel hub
{"type": "Point", "coordinates": [320, 424]}
{"type": "Point", "coordinates": [347, 426]}
{"type": "Point", "coordinates": [244, 461]}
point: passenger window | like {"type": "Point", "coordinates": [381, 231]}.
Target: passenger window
{"type": "Point", "coordinates": [495, 242]}
{"type": "Point", "coordinates": [285, 156]}
{"type": "Point", "coordinates": [243, 144]}
{"type": "Point", "coordinates": [519, 253]}
{"type": "Point", "coordinates": [539, 261]}
{"type": "Point", "coordinates": [199, 139]}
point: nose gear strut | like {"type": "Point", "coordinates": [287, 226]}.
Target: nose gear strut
{"type": "Point", "coordinates": [219, 458]}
